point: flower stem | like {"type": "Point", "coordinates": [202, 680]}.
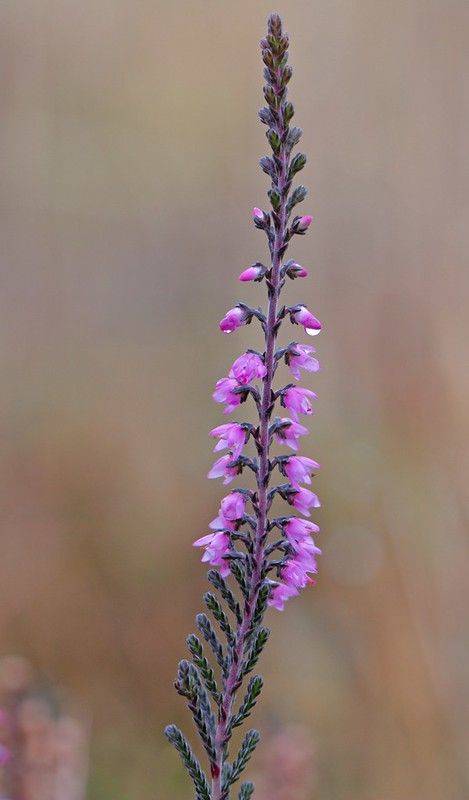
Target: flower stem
{"type": "Point", "coordinates": [263, 474]}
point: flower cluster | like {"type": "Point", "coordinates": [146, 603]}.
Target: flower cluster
{"type": "Point", "coordinates": [270, 559]}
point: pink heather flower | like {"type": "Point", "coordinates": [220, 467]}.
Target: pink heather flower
{"type": "Point", "coordinates": [298, 469]}
{"type": "Point", "coordinates": [230, 512]}
{"type": "Point", "coordinates": [290, 434]}
{"type": "Point", "coordinates": [304, 317]}
{"type": "Point", "coordinates": [257, 213]}
{"type": "Point", "coordinates": [225, 393]}
{"type": "Point", "coordinates": [216, 546]}
{"type": "Point", "coordinates": [231, 436]}
{"type": "Point", "coordinates": [298, 357]}
{"type": "Point", "coordinates": [233, 505]}
{"type": "Point", "coordinates": [296, 400]}
{"type": "Point", "coordinates": [222, 468]}
{"type": "Point", "coordinates": [295, 575]}
{"type": "Point", "coordinates": [219, 524]}
{"type": "Point", "coordinates": [247, 367]}
{"type": "Point", "coordinates": [252, 273]}
{"type": "Point", "coordinates": [303, 223]}
{"type": "Point", "coordinates": [295, 572]}
{"type": "Point", "coordinates": [296, 529]}
{"type": "Point", "coordinates": [233, 319]}
{"type": "Point", "coordinates": [303, 500]}
{"type": "Point", "coordinates": [280, 594]}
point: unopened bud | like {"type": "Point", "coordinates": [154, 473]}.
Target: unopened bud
{"type": "Point", "coordinates": [233, 319]}
{"type": "Point", "coordinates": [254, 273]}
{"type": "Point", "coordinates": [300, 315]}
{"type": "Point", "coordinates": [295, 270]}
{"type": "Point", "coordinates": [301, 224]}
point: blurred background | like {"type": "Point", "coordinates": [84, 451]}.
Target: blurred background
{"type": "Point", "coordinates": [128, 160]}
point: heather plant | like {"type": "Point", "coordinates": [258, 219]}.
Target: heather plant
{"type": "Point", "coordinates": [257, 560]}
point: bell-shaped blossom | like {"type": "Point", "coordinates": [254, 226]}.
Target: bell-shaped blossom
{"type": "Point", "coordinates": [247, 367]}
{"type": "Point", "coordinates": [301, 316]}
{"type": "Point", "coordinates": [231, 511]}
{"type": "Point", "coordinates": [295, 575]}
{"type": "Point", "coordinates": [298, 469]}
{"type": "Point", "coordinates": [220, 523]}
{"type": "Point", "coordinates": [303, 500]}
{"type": "Point", "coordinates": [296, 399]}
{"type": "Point", "coordinates": [216, 546]}
{"type": "Point", "coordinates": [305, 554]}
{"type": "Point", "coordinates": [226, 392]}
{"type": "Point", "coordinates": [298, 357]}
{"type": "Point", "coordinates": [223, 468]}
{"type": "Point", "coordinates": [233, 319]}
{"type": "Point", "coordinates": [296, 529]}
{"type": "Point", "coordinates": [295, 572]}
{"type": "Point", "coordinates": [232, 436]}
{"type": "Point", "coordinates": [254, 273]}
{"type": "Point", "coordinates": [280, 594]}
{"type": "Point", "coordinates": [289, 434]}
{"type": "Point", "coordinates": [233, 506]}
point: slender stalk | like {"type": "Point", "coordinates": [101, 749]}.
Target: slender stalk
{"type": "Point", "coordinates": [263, 475]}
{"type": "Point", "coordinates": [238, 543]}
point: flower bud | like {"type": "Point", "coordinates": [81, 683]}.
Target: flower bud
{"type": "Point", "coordinates": [295, 270]}
{"type": "Point", "coordinates": [261, 219]}
{"type": "Point", "coordinates": [254, 273]}
{"type": "Point", "coordinates": [297, 164]}
{"type": "Point", "coordinates": [233, 319]}
{"type": "Point", "coordinates": [301, 316]}
{"type": "Point", "coordinates": [301, 224]}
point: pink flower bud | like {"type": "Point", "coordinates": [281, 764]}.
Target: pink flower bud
{"type": "Point", "coordinates": [233, 319]}
{"type": "Point", "coordinates": [296, 271]}
{"type": "Point", "coordinates": [301, 316]}
{"type": "Point", "coordinates": [258, 214]}
{"type": "Point", "coordinates": [253, 273]}
{"type": "Point", "coordinates": [302, 224]}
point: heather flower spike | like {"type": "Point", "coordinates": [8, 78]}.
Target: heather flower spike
{"type": "Point", "coordinates": [257, 560]}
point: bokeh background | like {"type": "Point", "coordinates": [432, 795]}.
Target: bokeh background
{"type": "Point", "coordinates": [128, 161]}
